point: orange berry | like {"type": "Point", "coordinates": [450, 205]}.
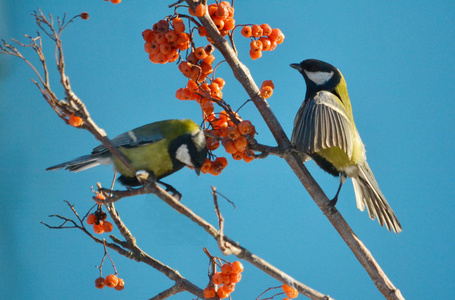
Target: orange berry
{"type": "Point", "coordinates": [255, 54]}
{"type": "Point", "coordinates": [183, 38]}
{"type": "Point", "coordinates": [212, 9]}
{"type": "Point", "coordinates": [247, 158]}
{"type": "Point", "coordinates": [165, 48]}
{"type": "Point", "coordinates": [111, 280]}
{"type": "Point", "coordinates": [120, 285]}
{"type": "Point", "coordinates": [229, 287]}
{"type": "Point", "coordinates": [222, 293]}
{"type": "Point", "coordinates": [171, 36]}
{"type": "Point", "coordinates": [183, 94]}
{"type": "Point", "coordinates": [220, 81]}
{"type": "Point", "coordinates": [84, 16]}
{"type": "Point", "coordinates": [209, 59]}
{"type": "Point", "coordinates": [256, 45]}
{"type": "Point", "coordinates": [226, 269]}
{"type": "Point", "coordinates": [241, 143]}
{"type": "Point", "coordinates": [178, 25]}
{"type": "Point", "coordinates": [256, 31]}
{"type": "Point", "coordinates": [161, 58]}
{"type": "Point", "coordinates": [222, 11]}
{"type": "Point", "coordinates": [266, 29]}
{"type": "Point", "coordinates": [200, 53]}
{"type": "Point", "coordinates": [266, 43]}
{"type": "Point", "coordinates": [192, 13]}
{"type": "Point", "coordinates": [292, 294]}
{"type": "Point", "coordinates": [116, 1]}
{"type": "Point", "coordinates": [233, 133]}
{"type": "Point", "coordinates": [107, 226]}
{"type": "Point", "coordinates": [202, 31]}
{"type": "Point", "coordinates": [272, 46]}
{"type": "Point", "coordinates": [235, 277]}
{"type": "Point", "coordinates": [99, 283]}
{"type": "Point", "coordinates": [266, 92]}
{"type": "Point", "coordinates": [209, 292]}
{"type": "Point", "coordinates": [206, 68]}
{"type": "Point", "coordinates": [147, 35]}
{"type": "Point", "coordinates": [160, 38]}
{"type": "Point", "coordinates": [246, 31]}
{"type": "Point", "coordinates": [217, 166]}
{"type": "Point", "coordinates": [75, 121]}
{"type": "Point", "coordinates": [237, 267]}
{"type": "Point", "coordinates": [268, 83]}
{"type": "Point", "coordinates": [212, 144]}
{"type": "Point", "coordinates": [173, 56]}
{"type": "Point", "coordinates": [91, 218]}
{"type": "Point", "coordinates": [98, 228]}
{"type": "Point", "coordinates": [237, 155]}
{"type": "Point", "coordinates": [286, 288]}
{"type": "Point", "coordinates": [207, 106]}
{"type": "Point", "coordinates": [200, 10]}
{"type": "Point", "coordinates": [276, 36]}
{"type": "Point", "coordinates": [229, 24]}
{"type": "Point", "coordinates": [245, 127]}
{"type": "Point", "coordinates": [206, 166]}
{"type": "Point", "coordinates": [222, 161]}
{"type": "Point", "coordinates": [229, 146]}
{"type": "Point", "coordinates": [218, 23]}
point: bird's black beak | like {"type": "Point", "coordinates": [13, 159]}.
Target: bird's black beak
{"type": "Point", "coordinates": [198, 171]}
{"type": "Point", "coordinates": [296, 66]}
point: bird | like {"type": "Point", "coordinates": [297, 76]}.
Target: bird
{"type": "Point", "coordinates": [160, 149]}
{"type": "Point", "coordinates": [324, 130]}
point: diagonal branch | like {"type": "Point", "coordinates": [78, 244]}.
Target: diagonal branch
{"type": "Point", "coordinates": [243, 75]}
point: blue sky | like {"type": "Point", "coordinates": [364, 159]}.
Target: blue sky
{"type": "Point", "coordinates": [398, 60]}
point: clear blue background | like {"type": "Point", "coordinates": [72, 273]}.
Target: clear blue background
{"type": "Point", "coordinates": [398, 60]}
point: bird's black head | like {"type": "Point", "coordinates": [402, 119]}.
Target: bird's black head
{"type": "Point", "coordinates": [318, 76]}
{"type": "Point", "coordinates": [189, 149]}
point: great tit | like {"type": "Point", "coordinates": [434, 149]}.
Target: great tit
{"type": "Point", "coordinates": [159, 148]}
{"type": "Point", "coordinates": [324, 130]}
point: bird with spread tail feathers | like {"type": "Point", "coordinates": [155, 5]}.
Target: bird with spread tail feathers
{"type": "Point", "coordinates": [324, 130]}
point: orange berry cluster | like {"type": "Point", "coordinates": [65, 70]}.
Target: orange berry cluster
{"type": "Point", "coordinates": [98, 220]}
{"type": "Point", "coordinates": [198, 64]}
{"type": "Point", "coordinates": [163, 43]}
{"type": "Point", "coordinates": [290, 292]}
{"type": "Point", "coordinates": [75, 121]}
{"type": "Point", "coordinates": [223, 283]}
{"type": "Point", "coordinates": [111, 281]}
{"type": "Point", "coordinates": [264, 38]}
{"type": "Point", "coordinates": [233, 138]}
{"type": "Point", "coordinates": [221, 14]}
{"type": "Point", "coordinates": [114, 1]}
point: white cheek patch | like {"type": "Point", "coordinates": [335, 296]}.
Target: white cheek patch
{"type": "Point", "coordinates": [319, 77]}
{"type": "Point", "coordinates": [183, 155]}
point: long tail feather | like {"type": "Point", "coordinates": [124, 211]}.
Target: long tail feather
{"type": "Point", "coordinates": [84, 162]}
{"type": "Point", "coordinates": [367, 193]}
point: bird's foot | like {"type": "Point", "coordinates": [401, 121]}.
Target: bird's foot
{"type": "Point", "coordinates": [171, 190]}
{"type": "Point", "coordinates": [330, 208]}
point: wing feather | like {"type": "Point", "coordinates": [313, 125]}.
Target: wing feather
{"type": "Point", "coordinates": [322, 123]}
{"type": "Point", "coordinates": [143, 135]}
